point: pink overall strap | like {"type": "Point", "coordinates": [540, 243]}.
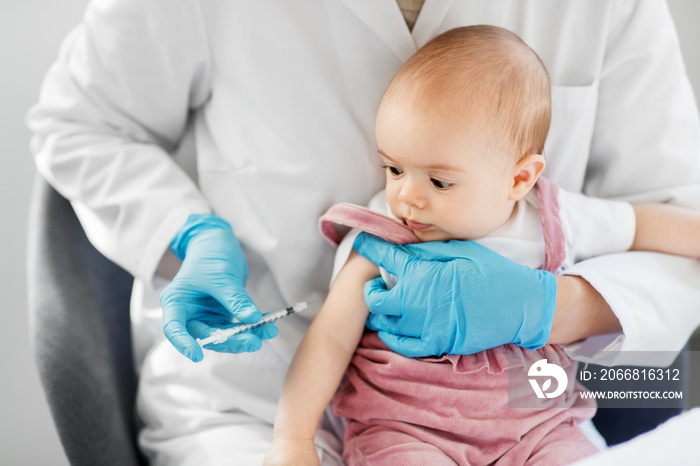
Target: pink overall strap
{"type": "Point", "coordinates": [552, 230]}
{"type": "Point", "coordinates": [354, 216]}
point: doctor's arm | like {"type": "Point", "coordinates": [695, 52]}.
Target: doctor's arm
{"type": "Point", "coordinates": [582, 312]}
{"type": "Point", "coordinates": [112, 111]}
{"type": "Point", "coordinates": [668, 229]}
{"type": "Point", "coordinates": [319, 365]}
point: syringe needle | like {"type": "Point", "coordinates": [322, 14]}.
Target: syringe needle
{"type": "Point", "coordinates": [221, 335]}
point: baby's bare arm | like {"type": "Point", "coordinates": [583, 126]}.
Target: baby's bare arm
{"type": "Point", "coordinates": [324, 354]}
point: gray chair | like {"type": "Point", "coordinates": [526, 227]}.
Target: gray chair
{"type": "Point", "coordinates": [79, 309]}
{"type": "Point", "coordinates": [79, 303]}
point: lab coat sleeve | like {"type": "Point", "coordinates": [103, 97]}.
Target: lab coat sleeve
{"type": "Point", "coordinates": [645, 147]}
{"type": "Point", "coordinates": [112, 110]}
{"type": "Point", "coordinates": [594, 227]}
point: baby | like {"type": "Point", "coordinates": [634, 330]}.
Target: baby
{"type": "Point", "coordinates": [461, 131]}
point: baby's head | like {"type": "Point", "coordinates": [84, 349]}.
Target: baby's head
{"type": "Point", "coordinates": [461, 129]}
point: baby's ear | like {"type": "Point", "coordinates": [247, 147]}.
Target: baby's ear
{"type": "Point", "coordinates": [525, 175]}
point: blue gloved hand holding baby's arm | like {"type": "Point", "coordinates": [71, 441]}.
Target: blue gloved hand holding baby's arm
{"type": "Point", "coordinates": [208, 291]}
{"type": "Point", "coordinates": [455, 297]}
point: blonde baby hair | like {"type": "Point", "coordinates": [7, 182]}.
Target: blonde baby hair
{"type": "Point", "coordinates": [488, 73]}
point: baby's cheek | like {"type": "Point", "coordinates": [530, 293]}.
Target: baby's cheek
{"type": "Point", "coordinates": [392, 201]}
{"type": "Point", "coordinates": [465, 228]}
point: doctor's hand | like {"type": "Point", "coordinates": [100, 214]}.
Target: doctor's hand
{"type": "Point", "coordinates": [455, 297]}
{"type": "Point", "coordinates": [208, 291]}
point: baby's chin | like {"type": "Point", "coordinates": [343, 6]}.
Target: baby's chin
{"type": "Point", "coordinates": [440, 235]}
{"type": "Point", "coordinates": [433, 235]}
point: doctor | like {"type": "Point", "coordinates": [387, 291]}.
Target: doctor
{"type": "Point", "coordinates": [159, 112]}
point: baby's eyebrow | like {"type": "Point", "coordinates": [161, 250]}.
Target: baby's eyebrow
{"type": "Point", "coordinates": [429, 166]}
{"type": "Point", "coordinates": [381, 153]}
{"type": "Point", "coordinates": [444, 167]}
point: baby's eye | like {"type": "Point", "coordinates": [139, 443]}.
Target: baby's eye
{"type": "Point", "coordinates": [395, 171]}
{"type": "Point", "coordinates": [440, 184]}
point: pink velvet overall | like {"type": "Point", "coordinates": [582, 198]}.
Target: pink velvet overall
{"type": "Point", "coordinates": [454, 409]}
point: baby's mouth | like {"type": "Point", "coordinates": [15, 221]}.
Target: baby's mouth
{"type": "Point", "coordinates": [417, 226]}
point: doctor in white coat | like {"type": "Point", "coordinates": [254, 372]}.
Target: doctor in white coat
{"type": "Point", "coordinates": [262, 111]}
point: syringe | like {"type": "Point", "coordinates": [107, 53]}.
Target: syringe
{"type": "Point", "coordinates": [221, 335]}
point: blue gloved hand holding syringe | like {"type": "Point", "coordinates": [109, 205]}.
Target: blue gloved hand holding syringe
{"type": "Point", "coordinates": [208, 292]}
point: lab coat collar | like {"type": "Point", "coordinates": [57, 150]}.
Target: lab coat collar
{"type": "Point", "coordinates": [384, 18]}
{"type": "Point", "coordinates": [429, 22]}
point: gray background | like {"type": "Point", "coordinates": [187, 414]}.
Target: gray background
{"type": "Point", "coordinates": [30, 33]}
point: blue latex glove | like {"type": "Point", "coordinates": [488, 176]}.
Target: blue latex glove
{"type": "Point", "coordinates": [455, 297]}
{"type": "Point", "coordinates": [208, 291]}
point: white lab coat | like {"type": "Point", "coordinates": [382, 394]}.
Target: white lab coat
{"type": "Point", "coordinates": [279, 98]}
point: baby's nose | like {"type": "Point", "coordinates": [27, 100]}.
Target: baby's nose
{"type": "Point", "coordinates": [412, 194]}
